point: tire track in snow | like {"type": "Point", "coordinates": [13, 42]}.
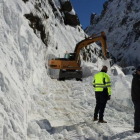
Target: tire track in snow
{"type": "Point", "coordinates": [73, 104]}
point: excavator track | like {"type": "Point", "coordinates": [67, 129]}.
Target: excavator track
{"type": "Point", "coordinates": [64, 74]}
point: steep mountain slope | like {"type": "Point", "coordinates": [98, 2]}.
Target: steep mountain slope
{"type": "Point", "coordinates": [23, 55]}
{"type": "Point", "coordinates": [120, 21]}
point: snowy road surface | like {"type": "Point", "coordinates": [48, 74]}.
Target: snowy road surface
{"type": "Point", "coordinates": [68, 108]}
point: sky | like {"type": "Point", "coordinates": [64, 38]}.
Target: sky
{"type": "Point", "coordinates": [84, 8]}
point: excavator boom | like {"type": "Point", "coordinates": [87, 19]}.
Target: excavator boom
{"type": "Point", "coordinates": [90, 40]}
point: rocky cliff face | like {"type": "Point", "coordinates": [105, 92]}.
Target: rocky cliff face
{"type": "Point", "coordinates": [120, 19]}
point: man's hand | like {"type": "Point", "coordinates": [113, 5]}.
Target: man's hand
{"type": "Point", "coordinates": [109, 96]}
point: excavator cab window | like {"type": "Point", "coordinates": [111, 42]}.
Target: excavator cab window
{"type": "Point", "coordinates": [66, 55]}
{"type": "Point", "coordinates": [69, 56]}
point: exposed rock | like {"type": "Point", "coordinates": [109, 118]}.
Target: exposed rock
{"type": "Point", "coordinates": [25, 0]}
{"type": "Point", "coordinates": [69, 18]}
{"type": "Point", "coordinates": [52, 5]}
{"type": "Point", "coordinates": [36, 25]}
{"type": "Point", "coordinates": [94, 18]}
{"type": "Point", "coordinates": [44, 124]}
{"type": "Point", "coordinates": [110, 29]}
{"type": "Point", "coordinates": [124, 21]}
{"type": "Point", "coordinates": [66, 6]}
{"type": "Point", "coordinates": [129, 6]}
{"type": "Point", "coordinates": [104, 8]}
{"type": "Point", "coordinates": [136, 29]}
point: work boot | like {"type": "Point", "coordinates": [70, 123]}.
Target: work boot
{"type": "Point", "coordinates": [95, 119]}
{"type": "Point", "coordinates": [102, 121]}
{"type": "Point", "coordinates": [137, 130]}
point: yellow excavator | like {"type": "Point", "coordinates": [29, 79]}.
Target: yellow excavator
{"type": "Point", "coordinates": [70, 65]}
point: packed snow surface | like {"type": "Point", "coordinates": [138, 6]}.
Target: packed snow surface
{"type": "Point", "coordinates": [35, 107]}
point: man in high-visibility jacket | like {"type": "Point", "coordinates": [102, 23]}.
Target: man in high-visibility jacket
{"type": "Point", "coordinates": [102, 87]}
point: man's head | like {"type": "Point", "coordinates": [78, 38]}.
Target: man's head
{"type": "Point", "coordinates": [104, 68]}
{"type": "Point", "coordinates": [138, 70]}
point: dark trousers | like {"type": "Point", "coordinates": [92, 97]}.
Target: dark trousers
{"type": "Point", "coordinates": [136, 115]}
{"type": "Point", "coordinates": [101, 100]}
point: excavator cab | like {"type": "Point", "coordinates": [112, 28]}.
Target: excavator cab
{"type": "Point", "coordinates": [69, 56]}
{"type": "Point", "coordinates": [66, 55]}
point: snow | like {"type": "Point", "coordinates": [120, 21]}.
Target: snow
{"type": "Point", "coordinates": [116, 70]}
{"type": "Point", "coordinates": [72, 12]}
{"type": "Point", "coordinates": [35, 107]}
{"type": "Point", "coordinates": [63, 1]}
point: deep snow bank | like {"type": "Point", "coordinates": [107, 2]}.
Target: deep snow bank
{"type": "Point", "coordinates": [22, 64]}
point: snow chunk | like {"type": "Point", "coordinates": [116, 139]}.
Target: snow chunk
{"type": "Point", "coordinates": [116, 70]}
{"type": "Point", "coordinates": [72, 12]}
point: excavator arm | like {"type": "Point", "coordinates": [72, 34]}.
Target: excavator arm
{"type": "Point", "coordinates": [88, 41]}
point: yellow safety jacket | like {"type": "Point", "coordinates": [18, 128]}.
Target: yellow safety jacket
{"type": "Point", "coordinates": [102, 80]}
